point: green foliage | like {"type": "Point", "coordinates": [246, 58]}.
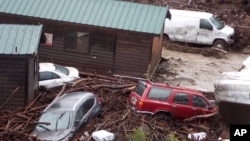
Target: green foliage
{"type": "Point", "coordinates": [137, 135]}
{"type": "Point", "coordinates": [172, 137]}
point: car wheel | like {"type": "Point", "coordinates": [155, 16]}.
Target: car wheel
{"type": "Point", "coordinates": [162, 116]}
{"type": "Point", "coordinates": [43, 89]}
{"type": "Point", "coordinates": [166, 37]}
{"type": "Point", "coordinates": [220, 44]}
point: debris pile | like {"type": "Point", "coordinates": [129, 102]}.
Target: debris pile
{"type": "Point", "coordinates": [16, 125]}
{"type": "Point", "coordinates": [116, 118]}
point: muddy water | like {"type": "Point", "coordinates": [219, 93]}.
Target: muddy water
{"type": "Point", "coordinates": [200, 72]}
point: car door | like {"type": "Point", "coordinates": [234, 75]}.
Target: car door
{"type": "Point", "coordinates": [191, 27]}
{"type": "Point", "coordinates": [157, 99]}
{"type": "Point", "coordinates": [84, 113]}
{"type": "Point", "coordinates": [48, 79]}
{"type": "Point", "coordinates": [88, 108]}
{"type": "Point", "coordinates": [200, 105]}
{"type": "Point", "coordinates": [57, 79]}
{"type": "Point", "coordinates": [181, 107]}
{"type": "Point", "coordinates": [205, 32]}
{"type": "Point", "coordinates": [78, 117]}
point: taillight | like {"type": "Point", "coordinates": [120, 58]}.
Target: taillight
{"type": "Point", "coordinates": [139, 104]}
{"type": "Point", "coordinates": [99, 100]}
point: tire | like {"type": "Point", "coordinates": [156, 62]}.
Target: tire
{"type": "Point", "coordinates": [43, 89]}
{"type": "Point", "coordinates": [163, 116]}
{"type": "Point", "coordinates": [165, 37]}
{"type": "Point", "coordinates": [220, 44]}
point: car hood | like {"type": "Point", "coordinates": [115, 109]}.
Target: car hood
{"type": "Point", "coordinates": [227, 30]}
{"type": "Point", "coordinates": [52, 135]}
{"type": "Point", "coordinates": [73, 72]}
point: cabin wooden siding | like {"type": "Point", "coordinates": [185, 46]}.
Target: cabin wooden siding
{"type": "Point", "coordinates": [16, 89]}
{"type": "Point", "coordinates": [126, 53]}
{"type": "Point", "coordinates": [132, 57]}
{"type": "Point", "coordinates": [32, 72]}
{"type": "Point", "coordinates": [98, 59]}
{"type": "Point", "coordinates": [156, 53]}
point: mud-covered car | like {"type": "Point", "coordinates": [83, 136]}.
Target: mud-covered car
{"type": "Point", "coordinates": [66, 115]}
{"type": "Point", "coordinates": [168, 102]}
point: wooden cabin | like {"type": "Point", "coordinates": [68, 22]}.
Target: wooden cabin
{"type": "Point", "coordinates": [102, 36]}
{"type": "Point", "coordinates": [18, 64]}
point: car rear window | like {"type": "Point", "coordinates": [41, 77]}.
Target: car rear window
{"type": "Point", "coordinates": [159, 93]}
{"type": "Point", "coordinates": [62, 69]}
{"type": "Point", "coordinates": [140, 88]}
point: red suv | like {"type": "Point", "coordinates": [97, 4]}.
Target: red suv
{"type": "Point", "coordinates": [170, 101]}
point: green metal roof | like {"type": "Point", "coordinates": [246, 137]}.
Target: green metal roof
{"type": "Point", "coordinates": [19, 39]}
{"type": "Point", "coordinates": [104, 13]}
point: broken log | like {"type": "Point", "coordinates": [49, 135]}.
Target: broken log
{"type": "Point", "coordinates": [201, 116]}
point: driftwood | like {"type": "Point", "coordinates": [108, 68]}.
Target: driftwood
{"type": "Point", "coordinates": [221, 50]}
{"type": "Point", "coordinates": [201, 116]}
{"type": "Point", "coordinates": [116, 117]}
{"type": "Point", "coordinates": [12, 94]}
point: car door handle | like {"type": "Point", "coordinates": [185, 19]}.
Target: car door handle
{"type": "Point", "coordinates": [174, 106]}
{"type": "Point", "coordinates": [194, 108]}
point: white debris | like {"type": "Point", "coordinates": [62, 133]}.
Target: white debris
{"type": "Point", "coordinates": [103, 135]}
{"type": "Point", "coordinates": [197, 136]}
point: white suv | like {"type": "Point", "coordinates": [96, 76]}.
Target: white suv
{"type": "Point", "coordinates": [53, 75]}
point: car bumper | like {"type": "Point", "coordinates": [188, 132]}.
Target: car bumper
{"type": "Point", "coordinates": [141, 112]}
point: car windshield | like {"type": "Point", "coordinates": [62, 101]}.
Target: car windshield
{"type": "Point", "coordinates": [139, 89]}
{"type": "Point", "coordinates": [54, 121]}
{"type": "Point", "coordinates": [62, 69]}
{"type": "Point", "coordinates": [218, 25]}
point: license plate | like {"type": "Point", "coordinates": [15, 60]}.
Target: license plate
{"type": "Point", "coordinates": [133, 100]}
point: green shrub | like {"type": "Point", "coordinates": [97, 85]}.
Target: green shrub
{"type": "Point", "coordinates": [172, 137]}
{"type": "Point", "coordinates": [137, 135]}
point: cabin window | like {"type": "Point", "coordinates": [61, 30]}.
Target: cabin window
{"type": "Point", "coordinates": [78, 42]}
{"type": "Point", "coordinates": [46, 39]}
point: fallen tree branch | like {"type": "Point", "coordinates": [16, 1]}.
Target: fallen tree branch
{"type": "Point", "coordinates": [7, 100]}
{"type": "Point", "coordinates": [201, 116]}
{"type": "Point", "coordinates": [221, 50]}
{"type": "Point", "coordinates": [200, 126]}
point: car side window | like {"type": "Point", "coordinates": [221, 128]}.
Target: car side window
{"type": "Point", "coordinates": [181, 98]}
{"type": "Point", "coordinates": [88, 105]}
{"type": "Point", "coordinates": [159, 93]}
{"type": "Point", "coordinates": [47, 75]}
{"type": "Point", "coordinates": [79, 114]}
{"type": "Point", "coordinates": [84, 108]}
{"type": "Point", "coordinates": [199, 101]}
{"type": "Point", "coordinates": [205, 24]}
